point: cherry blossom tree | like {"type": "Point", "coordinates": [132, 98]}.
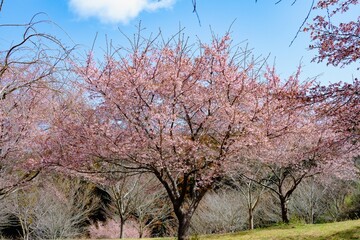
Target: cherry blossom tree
{"type": "Point", "coordinates": [27, 67]}
{"type": "Point", "coordinates": [298, 144]}
{"type": "Point", "coordinates": [337, 42]}
{"type": "Point", "coordinates": [164, 108]}
{"type": "Point", "coordinates": [340, 102]}
{"type": "Point", "coordinates": [190, 117]}
{"type": "Point", "coordinates": [15, 117]}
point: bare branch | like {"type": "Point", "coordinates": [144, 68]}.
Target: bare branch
{"type": "Point", "coordinates": [303, 23]}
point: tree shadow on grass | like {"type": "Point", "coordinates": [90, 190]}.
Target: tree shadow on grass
{"type": "Point", "coordinates": [350, 234]}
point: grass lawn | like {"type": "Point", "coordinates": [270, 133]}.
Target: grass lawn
{"type": "Point", "coordinates": [328, 231]}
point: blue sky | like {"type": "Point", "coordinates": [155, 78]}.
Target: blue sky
{"type": "Point", "coordinates": [264, 26]}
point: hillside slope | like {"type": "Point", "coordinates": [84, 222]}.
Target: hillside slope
{"type": "Point", "coordinates": [328, 231]}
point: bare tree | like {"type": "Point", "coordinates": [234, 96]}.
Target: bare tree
{"type": "Point", "coordinates": [10, 226]}
{"type": "Point", "coordinates": [219, 212]}
{"type": "Point", "coordinates": [124, 193]}
{"type": "Point", "coordinates": [152, 206]}
{"type": "Point", "coordinates": [65, 212]}
{"type": "Point", "coordinates": [52, 210]}
{"type": "Point", "coordinates": [138, 197]}
{"type": "Point", "coordinates": [335, 205]}
{"type": "Point", "coordinates": [309, 200]}
{"type": "Point", "coordinates": [249, 189]}
{"type": "Point", "coordinates": [267, 211]}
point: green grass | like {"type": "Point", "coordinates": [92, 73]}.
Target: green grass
{"type": "Point", "coordinates": [327, 231]}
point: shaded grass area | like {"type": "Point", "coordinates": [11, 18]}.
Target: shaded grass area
{"type": "Point", "coordinates": [328, 231]}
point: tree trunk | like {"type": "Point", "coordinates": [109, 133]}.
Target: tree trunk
{"type": "Point", "coordinates": [141, 228]}
{"type": "Point", "coordinates": [121, 228]}
{"type": "Point", "coordinates": [141, 232]}
{"type": "Point", "coordinates": [312, 203]}
{"type": "Point", "coordinates": [284, 210]}
{"type": "Point", "coordinates": [184, 202]}
{"type": "Point", "coordinates": [251, 219]}
{"type": "Point", "coordinates": [184, 226]}
{"type": "Point", "coordinates": [311, 213]}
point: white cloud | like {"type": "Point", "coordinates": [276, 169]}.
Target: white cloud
{"type": "Point", "coordinates": [114, 11]}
